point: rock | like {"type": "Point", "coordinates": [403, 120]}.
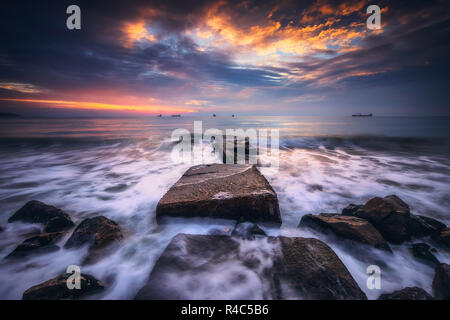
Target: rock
{"type": "Point", "coordinates": [346, 227]}
{"type": "Point", "coordinates": [42, 243]}
{"type": "Point", "coordinates": [221, 191]}
{"type": "Point", "coordinates": [56, 289]}
{"type": "Point", "coordinates": [441, 282]}
{"type": "Point", "coordinates": [205, 266]}
{"type": "Point", "coordinates": [351, 209]}
{"type": "Point", "coordinates": [1, 229]}
{"type": "Point", "coordinates": [313, 270]}
{"type": "Point", "coordinates": [98, 233]}
{"type": "Point", "coordinates": [52, 218]}
{"type": "Point", "coordinates": [443, 237]}
{"type": "Point", "coordinates": [408, 293]}
{"type": "Point", "coordinates": [389, 215]}
{"type": "Point", "coordinates": [422, 251]}
{"type": "Point", "coordinates": [421, 226]}
{"type": "Point", "coordinates": [247, 229]}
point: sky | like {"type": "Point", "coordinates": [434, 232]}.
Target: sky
{"type": "Point", "coordinates": [225, 57]}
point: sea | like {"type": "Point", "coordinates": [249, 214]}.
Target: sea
{"type": "Point", "coordinates": [121, 167]}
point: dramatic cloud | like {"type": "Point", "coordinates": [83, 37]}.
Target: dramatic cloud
{"type": "Point", "coordinates": [275, 57]}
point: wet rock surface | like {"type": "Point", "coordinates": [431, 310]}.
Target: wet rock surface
{"type": "Point", "coordinates": [299, 268]}
{"type": "Point", "coordinates": [221, 191]}
{"type": "Point", "coordinates": [56, 289]}
{"type": "Point", "coordinates": [98, 233]}
{"type": "Point", "coordinates": [408, 293]}
{"type": "Point", "coordinates": [42, 243]}
{"type": "Point", "coordinates": [421, 226]}
{"type": "Point", "coordinates": [422, 252]}
{"type": "Point", "coordinates": [346, 227]}
{"type": "Point", "coordinates": [441, 282]}
{"type": "Point", "coordinates": [389, 215]}
{"type": "Point", "coordinates": [52, 218]}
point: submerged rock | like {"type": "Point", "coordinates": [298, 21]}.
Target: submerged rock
{"type": "Point", "coordinates": [205, 266]}
{"type": "Point", "coordinates": [98, 233]}
{"type": "Point", "coordinates": [351, 209]}
{"type": "Point", "coordinates": [247, 229]}
{"type": "Point", "coordinates": [408, 293]}
{"type": "Point", "coordinates": [346, 227]}
{"type": "Point", "coordinates": [443, 237]}
{"type": "Point", "coordinates": [441, 282]}
{"type": "Point", "coordinates": [52, 218]}
{"type": "Point", "coordinates": [56, 289]}
{"type": "Point", "coordinates": [421, 226]}
{"type": "Point", "coordinates": [221, 191]}
{"type": "Point", "coordinates": [422, 251]}
{"type": "Point", "coordinates": [42, 243]}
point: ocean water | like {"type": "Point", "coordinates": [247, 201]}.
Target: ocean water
{"type": "Point", "coordinates": [120, 168]}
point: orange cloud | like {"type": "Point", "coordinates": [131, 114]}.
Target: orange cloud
{"type": "Point", "coordinates": [136, 31]}
{"type": "Point", "coordinates": [269, 38]}
{"type": "Point", "coordinates": [20, 87]}
{"type": "Point", "coordinates": [152, 109]}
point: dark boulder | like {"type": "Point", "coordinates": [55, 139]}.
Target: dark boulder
{"type": "Point", "coordinates": [52, 218]}
{"type": "Point", "coordinates": [274, 267]}
{"type": "Point", "coordinates": [42, 243]}
{"type": "Point", "coordinates": [443, 237]}
{"type": "Point", "coordinates": [389, 215]}
{"type": "Point", "coordinates": [226, 191]}
{"type": "Point", "coordinates": [56, 289]}
{"type": "Point", "coordinates": [441, 282]}
{"type": "Point", "coordinates": [247, 229]}
{"type": "Point", "coordinates": [408, 293]}
{"type": "Point", "coordinates": [98, 233]}
{"type": "Point", "coordinates": [346, 227]}
{"type": "Point", "coordinates": [422, 252]}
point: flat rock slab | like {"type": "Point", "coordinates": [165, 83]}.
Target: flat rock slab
{"type": "Point", "coordinates": [226, 191]}
{"type": "Point", "coordinates": [224, 267]}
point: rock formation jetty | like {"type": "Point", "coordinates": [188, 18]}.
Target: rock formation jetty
{"type": "Point", "coordinates": [226, 191]}
{"type": "Point", "coordinates": [286, 268]}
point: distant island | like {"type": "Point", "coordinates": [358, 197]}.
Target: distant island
{"type": "Point", "coordinates": [9, 115]}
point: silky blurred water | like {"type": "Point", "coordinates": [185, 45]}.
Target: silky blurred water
{"type": "Point", "coordinates": [120, 168]}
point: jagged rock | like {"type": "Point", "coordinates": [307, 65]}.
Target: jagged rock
{"type": "Point", "coordinates": [247, 229]}
{"type": "Point", "coordinates": [98, 233]}
{"type": "Point", "coordinates": [389, 215]}
{"type": "Point", "coordinates": [421, 226]}
{"type": "Point", "coordinates": [422, 251]}
{"type": "Point", "coordinates": [408, 293]}
{"type": "Point", "coordinates": [221, 191]}
{"type": "Point", "coordinates": [441, 282]}
{"type": "Point", "coordinates": [392, 217]}
{"type": "Point", "coordinates": [443, 237]}
{"type": "Point", "coordinates": [313, 270]}
{"type": "Point", "coordinates": [351, 209]}
{"type": "Point", "coordinates": [283, 268]}
{"type": "Point", "coordinates": [42, 243]}
{"type": "Point", "coordinates": [52, 218]}
{"type": "Point", "coordinates": [56, 289]}
{"type": "Point", "coordinates": [347, 227]}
